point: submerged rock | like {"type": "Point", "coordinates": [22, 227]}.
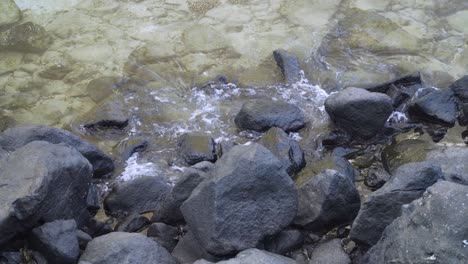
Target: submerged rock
{"type": "Point", "coordinates": [313, 168]}
{"type": "Point", "coordinates": [329, 252]}
{"type": "Point", "coordinates": [262, 114]}
{"type": "Point", "coordinates": [27, 37]}
{"type": "Point", "coordinates": [406, 151]}
{"type": "Point", "coordinates": [9, 13]}
{"type": "Point", "coordinates": [438, 107]}
{"type": "Point", "coordinates": [196, 147]}
{"type": "Point", "coordinates": [109, 114]}
{"type": "Point", "coordinates": [247, 197]}
{"type": "Point", "coordinates": [289, 66]}
{"type": "Point", "coordinates": [102, 87]}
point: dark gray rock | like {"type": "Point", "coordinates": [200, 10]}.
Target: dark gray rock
{"type": "Point", "coordinates": [11, 258]}
{"type": "Point", "coordinates": [131, 146]}
{"type": "Point", "coordinates": [284, 242]}
{"type": "Point", "coordinates": [254, 255]}
{"type": "Point", "coordinates": [384, 205]}
{"type": "Point", "coordinates": [136, 196]}
{"type": "Point", "coordinates": [109, 114]}
{"type": "Point", "coordinates": [438, 107]}
{"type": "Point", "coordinates": [14, 138]}
{"type": "Point", "coordinates": [401, 82]}
{"type": "Point", "coordinates": [166, 235]}
{"type": "Point", "coordinates": [51, 185]}
{"type": "Point", "coordinates": [329, 252]}
{"type": "Point", "coordinates": [125, 248]}
{"type": "Point", "coordinates": [27, 37]}
{"type": "Point", "coordinates": [460, 89]}
{"type": "Point", "coordinates": [376, 177]}
{"type": "Point", "coordinates": [57, 241]}
{"type": "Point", "coordinates": [9, 13]}
{"type": "Point", "coordinates": [289, 66]}
{"type": "Point", "coordinates": [327, 200]}
{"type": "Point", "coordinates": [196, 147]}
{"type": "Point", "coordinates": [262, 114]}
{"type": "Point", "coordinates": [92, 199]}
{"type": "Point", "coordinates": [431, 229]}
{"type": "Point", "coordinates": [452, 160]}
{"type": "Point", "coordinates": [313, 168]}
{"type": "Point", "coordinates": [189, 250]}
{"type": "Point", "coordinates": [358, 111]}
{"type": "Point", "coordinates": [247, 197]}
{"type": "Point", "coordinates": [285, 149]}
{"type": "Point", "coordinates": [83, 238]}
{"type": "Point", "coordinates": [96, 228]}
{"type": "Point", "coordinates": [132, 223]}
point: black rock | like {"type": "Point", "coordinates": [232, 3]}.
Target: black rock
{"type": "Point", "coordinates": [132, 223]}
{"type": "Point", "coordinates": [15, 138]}
{"type": "Point", "coordinates": [437, 107]}
{"type": "Point", "coordinates": [384, 205]}
{"type": "Point", "coordinates": [247, 197]}
{"type": "Point", "coordinates": [196, 147]}
{"type": "Point", "coordinates": [284, 242]}
{"type": "Point", "coordinates": [189, 250]}
{"type": "Point", "coordinates": [92, 199]}
{"type": "Point", "coordinates": [57, 241]}
{"type": "Point", "coordinates": [136, 196]}
{"type": "Point", "coordinates": [289, 66]}
{"type": "Point", "coordinates": [262, 114]}
{"type": "Point", "coordinates": [460, 89]}
{"type": "Point", "coordinates": [376, 177]}
{"type": "Point", "coordinates": [285, 149]}
{"type": "Point", "coordinates": [359, 112]}
{"type": "Point", "coordinates": [330, 252]}
{"type": "Point", "coordinates": [166, 235]}
{"type": "Point", "coordinates": [431, 229]}
{"type": "Point", "coordinates": [327, 200]}
{"type": "Point", "coordinates": [51, 185]}
{"type": "Point", "coordinates": [401, 83]}
{"type": "Point", "coordinates": [132, 146]}
{"type": "Point", "coordinates": [109, 114]}
{"type": "Point", "coordinates": [96, 228]}
{"type": "Point", "coordinates": [121, 247]}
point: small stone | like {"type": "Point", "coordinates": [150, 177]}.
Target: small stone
{"type": "Point", "coordinates": [132, 223]}
{"type": "Point", "coordinates": [196, 147]}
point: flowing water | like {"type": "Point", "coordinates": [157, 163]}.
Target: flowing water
{"type": "Point", "coordinates": [160, 51]}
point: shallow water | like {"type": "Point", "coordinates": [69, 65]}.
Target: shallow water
{"type": "Point", "coordinates": [166, 48]}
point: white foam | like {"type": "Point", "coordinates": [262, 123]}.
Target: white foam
{"type": "Point", "coordinates": [133, 169]}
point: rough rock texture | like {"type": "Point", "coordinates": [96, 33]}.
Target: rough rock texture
{"type": "Point", "coordinates": [329, 252]}
{"type": "Point", "coordinates": [125, 248]}
{"type": "Point", "coordinates": [384, 205]}
{"type": "Point", "coordinates": [14, 138]}
{"type": "Point", "coordinates": [460, 89]}
{"type": "Point", "coordinates": [110, 113]}
{"type": "Point", "coordinates": [439, 107]}
{"type": "Point", "coordinates": [51, 185]}
{"type": "Point", "coordinates": [359, 111]}
{"type": "Point", "coordinates": [132, 223]}
{"type": "Point", "coordinates": [284, 242]}
{"type": "Point", "coordinates": [262, 114]}
{"type": "Point", "coordinates": [57, 241]}
{"type": "Point", "coordinates": [196, 147]}
{"type": "Point", "coordinates": [9, 13]}
{"type": "Point", "coordinates": [452, 160]}
{"type": "Point", "coordinates": [247, 197]}
{"type": "Point", "coordinates": [166, 235]}
{"type": "Point", "coordinates": [188, 250]}
{"type": "Point", "coordinates": [327, 200]}
{"type": "Point", "coordinates": [434, 227]}
{"type": "Point", "coordinates": [285, 149]}
{"type": "Point", "coordinates": [289, 66]}
{"type": "Point", "coordinates": [252, 256]}
{"type": "Point", "coordinates": [11, 258]}
{"type": "Point", "coordinates": [27, 37]}
{"type": "Point", "coordinates": [137, 196]}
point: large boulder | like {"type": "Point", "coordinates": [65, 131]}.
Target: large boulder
{"type": "Point", "coordinates": [140, 195]}
{"type": "Point", "coordinates": [125, 248]}
{"type": "Point", "coordinates": [247, 197]}
{"type": "Point", "coordinates": [27, 37]}
{"type": "Point", "coordinates": [327, 200]}
{"type": "Point", "coordinates": [438, 107]}
{"type": "Point", "coordinates": [196, 147]}
{"type": "Point", "coordinates": [285, 149]}
{"type": "Point", "coordinates": [431, 229]}
{"type": "Point", "coordinates": [289, 66]}
{"type": "Point", "coordinates": [253, 255]}
{"type": "Point", "coordinates": [460, 89]}
{"type": "Point", "coordinates": [384, 205]}
{"type": "Point", "coordinates": [17, 137]}
{"type": "Point", "coordinates": [358, 111]}
{"type": "Point", "coordinates": [329, 252]}
{"type": "Point", "coordinates": [262, 114]}
{"type": "Point", "coordinates": [42, 182]}
{"type": "Point", "coordinates": [9, 13]}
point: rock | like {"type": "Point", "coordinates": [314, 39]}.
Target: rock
{"type": "Point", "coordinates": [263, 114]}
{"type": "Point", "coordinates": [405, 151]}
{"type": "Point", "coordinates": [224, 147]}
{"type": "Point", "coordinates": [83, 238]}
{"type": "Point", "coordinates": [402, 83]}
{"type": "Point", "coordinates": [313, 168]}
{"type": "Point", "coordinates": [452, 160]}
{"type": "Point", "coordinates": [92, 199]}
{"type": "Point", "coordinates": [56, 71]}
{"type": "Point", "coordinates": [460, 89]}
{"type": "Point", "coordinates": [285, 149]}
{"type": "Point", "coordinates": [17, 137]}
{"type": "Point", "coordinates": [27, 37]}
{"type": "Point", "coordinates": [125, 248]}
{"type": "Point", "coordinates": [440, 214]}
{"type": "Point", "coordinates": [9, 13]}
{"type": "Point", "coordinates": [204, 166]}
{"type": "Point", "coordinates": [437, 107]}
{"type": "Point", "coordinates": [51, 185]}
{"type": "Point", "coordinates": [11, 258]}
{"type": "Point", "coordinates": [109, 114]}
{"type": "Point", "coordinates": [10, 61]}
{"type": "Point", "coordinates": [57, 241]}
{"type": "Point", "coordinates": [131, 146]}
{"type": "Point", "coordinates": [196, 147]}
{"type": "Point", "coordinates": [376, 177]}
{"type": "Point", "coordinates": [327, 200]}
{"type": "Point", "coordinates": [132, 223]}
{"type": "Point", "coordinates": [289, 66]}
{"type": "Point", "coordinates": [247, 197]}
{"type": "Point", "coordinates": [358, 111]}
{"type": "Point", "coordinates": [256, 256]}
{"type": "Point", "coordinates": [168, 211]}
{"type": "Point", "coordinates": [189, 250]}
{"type": "Point", "coordinates": [329, 252]}
{"type": "Point", "coordinates": [96, 228]}
{"type": "Point", "coordinates": [137, 196]}
{"type": "Point", "coordinates": [166, 235]}
{"type": "Point", "coordinates": [103, 87]}
{"type": "Point", "coordinates": [384, 205]}
{"type": "Point", "coordinates": [284, 242]}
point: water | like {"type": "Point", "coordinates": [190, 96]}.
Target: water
{"type": "Point", "coordinates": [167, 48]}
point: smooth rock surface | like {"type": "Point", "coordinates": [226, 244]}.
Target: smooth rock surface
{"type": "Point", "coordinates": [437, 107]}
{"type": "Point", "coordinates": [109, 114]}
{"type": "Point", "coordinates": [196, 147]}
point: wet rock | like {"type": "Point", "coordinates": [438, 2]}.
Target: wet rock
{"type": "Point", "coordinates": [327, 200]}
{"type": "Point", "coordinates": [361, 113]}
{"type": "Point", "coordinates": [247, 197]}
{"type": "Point", "coordinates": [189, 250]}
{"type": "Point", "coordinates": [329, 252]}
{"type": "Point", "coordinates": [196, 147]}
{"type": "Point", "coordinates": [27, 37]}
{"type": "Point", "coordinates": [284, 242]}
{"type": "Point", "coordinates": [57, 241]}
{"type": "Point", "coordinates": [401, 83]}
{"type": "Point", "coordinates": [132, 146]}
{"type": "Point", "coordinates": [137, 196]}
{"type": "Point", "coordinates": [437, 107]}
{"type": "Point", "coordinates": [103, 87]}
{"type": "Point", "coordinates": [203, 38]}
{"type": "Point", "coordinates": [289, 66]}
{"type": "Point", "coordinates": [460, 89]}
{"type": "Point", "coordinates": [376, 177]}
{"type": "Point", "coordinates": [14, 138]}
{"type": "Point", "coordinates": [109, 114]}
{"type": "Point", "coordinates": [11, 258]}
{"type": "Point", "coordinates": [132, 223]}
{"type": "Point", "coordinates": [261, 115]}
{"type": "Point", "coordinates": [121, 247]}
{"type": "Point", "coordinates": [96, 228]}
{"type": "Point", "coordinates": [285, 149]}
{"type": "Point", "coordinates": [384, 205]}
{"type": "Point", "coordinates": [313, 168]}
{"type": "Point", "coordinates": [92, 198]}
{"type": "Point", "coordinates": [165, 235]}
{"type": "Point", "coordinates": [441, 214]}
{"type": "Point", "coordinates": [9, 13]}
{"type": "Point", "coordinates": [51, 185]}
{"type": "Point", "coordinates": [406, 151]}
{"type": "Point", "coordinates": [256, 256]}
{"type": "Point", "coordinates": [56, 71]}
